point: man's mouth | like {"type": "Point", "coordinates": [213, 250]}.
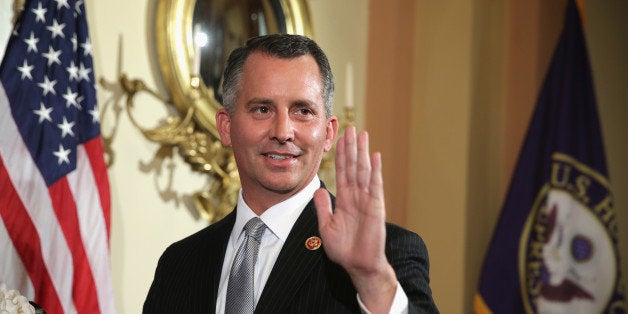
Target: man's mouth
{"type": "Point", "coordinates": [278, 157]}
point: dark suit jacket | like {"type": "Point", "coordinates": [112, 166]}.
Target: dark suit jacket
{"type": "Point", "coordinates": [302, 281]}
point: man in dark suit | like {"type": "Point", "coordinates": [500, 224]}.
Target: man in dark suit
{"type": "Point", "coordinates": [316, 253]}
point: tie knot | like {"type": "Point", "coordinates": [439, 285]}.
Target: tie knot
{"type": "Point", "coordinates": [255, 228]}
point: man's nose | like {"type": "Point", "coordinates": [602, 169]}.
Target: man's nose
{"type": "Point", "coordinates": [283, 130]}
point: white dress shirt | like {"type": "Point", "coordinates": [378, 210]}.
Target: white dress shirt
{"type": "Point", "coordinates": [279, 220]}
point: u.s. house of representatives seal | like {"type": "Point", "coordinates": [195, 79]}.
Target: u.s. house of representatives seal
{"type": "Point", "coordinates": [568, 261]}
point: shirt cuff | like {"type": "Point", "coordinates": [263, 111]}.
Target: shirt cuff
{"type": "Point", "coordinates": [399, 304]}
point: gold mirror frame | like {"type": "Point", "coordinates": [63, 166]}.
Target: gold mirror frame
{"type": "Point", "coordinates": [194, 130]}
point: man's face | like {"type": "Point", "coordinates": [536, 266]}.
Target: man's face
{"type": "Point", "coordinates": [278, 129]}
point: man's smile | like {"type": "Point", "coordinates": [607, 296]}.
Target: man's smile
{"type": "Point", "coordinates": [279, 157]}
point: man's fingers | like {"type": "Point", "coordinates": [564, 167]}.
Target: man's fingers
{"type": "Point", "coordinates": [341, 173]}
{"type": "Point", "coordinates": [351, 155]}
{"type": "Point", "coordinates": [363, 173]}
{"type": "Point", "coordinates": [376, 186]}
{"type": "Point", "coordinates": [322, 202]}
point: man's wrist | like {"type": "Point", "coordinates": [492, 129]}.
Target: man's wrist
{"type": "Point", "coordinates": [398, 306]}
{"type": "Point", "coordinates": [377, 290]}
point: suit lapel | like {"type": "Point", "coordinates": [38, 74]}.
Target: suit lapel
{"type": "Point", "coordinates": [214, 255]}
{"type": "Point", "coordinates": [293, 264]}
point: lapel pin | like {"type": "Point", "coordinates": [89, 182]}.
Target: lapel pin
{"type": "Point", "coordinates": [313, 243]}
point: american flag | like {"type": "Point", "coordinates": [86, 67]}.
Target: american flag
{"type": "Point", "coordinates": [54, 190]}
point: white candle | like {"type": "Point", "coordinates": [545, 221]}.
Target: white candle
{"type": "Point", "coordinates": [349, 78]}
{"type": "Point", "coordinates": [196, 59]}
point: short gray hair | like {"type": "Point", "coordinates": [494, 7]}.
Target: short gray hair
{"type": "Point", "coordinates": [284, 46]}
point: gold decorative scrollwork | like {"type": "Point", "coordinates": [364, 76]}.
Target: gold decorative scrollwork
{"type": "Point", "coordinates": [197, 147]}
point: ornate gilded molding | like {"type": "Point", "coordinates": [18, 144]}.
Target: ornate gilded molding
{"type": "Point", "coordinates": [198, 147]}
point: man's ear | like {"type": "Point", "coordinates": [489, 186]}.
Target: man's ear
{"type": "Point", "coordinates": [223, 124]}
{"type": "Point", "coordinates": [332, 132]}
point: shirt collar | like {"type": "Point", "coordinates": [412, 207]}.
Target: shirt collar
{"type": "Point", "coordinates": [278, 218]}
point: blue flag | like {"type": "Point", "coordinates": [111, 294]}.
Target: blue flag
{"type": "Point", "coordinates": [554, 249]}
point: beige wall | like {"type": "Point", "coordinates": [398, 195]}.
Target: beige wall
{"type": "Point", "coordinates": [476, 67]}
{"type": "Point", "coordinates": [439, 67]}
{"type": "Point", "coordinates": [440, 117]}
{"type": "Point", "coordinates": [607, 30]}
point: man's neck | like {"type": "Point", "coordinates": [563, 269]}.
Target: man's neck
{"type": "Point", "coordinates": [262, 200]}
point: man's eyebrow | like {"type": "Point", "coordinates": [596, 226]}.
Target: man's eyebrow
{"type": "Point", "coordinates": [267, 101]}
{"type": "Point", "coordinates": [258, 101]}
{"type": "Point", "coordinates": [304, 103]}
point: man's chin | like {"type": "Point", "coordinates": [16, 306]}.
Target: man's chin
{"type": "Point", "coordinates": [281, 188]}
{"type": "Point", "coordinates": [283, 184]}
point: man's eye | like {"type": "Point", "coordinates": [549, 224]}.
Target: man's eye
{"type": "Point", "coordinates": [305, 111]}
{"type": "Point", "coordinates": [261, 109]}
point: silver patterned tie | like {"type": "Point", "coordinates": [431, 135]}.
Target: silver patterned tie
{"type": "Point", "coordinates": [240, 287]}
